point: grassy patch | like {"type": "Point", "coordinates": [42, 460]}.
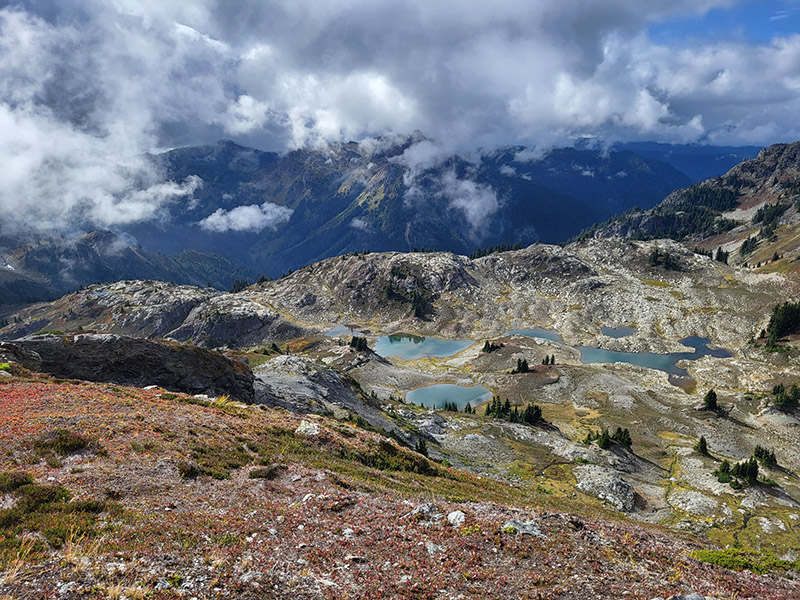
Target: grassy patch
{"type": "Point", "coordinates": [738, 560]}
{"type": "Point", "coordinates": [268, 472]}
{"type": "Point", "coordinates": [656, 283]}
{"type": "Point", "coordinates": [144, 446]}
{"type": "Point", "coordinates": [218, 459]}
{"type": "Point", "coordinates": [43, 509]}
{"type": "Point", "coordinates": [10, 481]}
{"type": "Point", "coordinates": [60, 442]}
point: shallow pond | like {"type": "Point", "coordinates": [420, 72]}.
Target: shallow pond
{"type": "Point", "coordinates": [662, 362]}
{"type": "Point", "coordinates": [341, 330]}
{"type": "Point", "coordinates": [411, 347]}
{"type": "Point", "coordinates": [617, 332]}
{"type": "Point", "coordinates": [434, 396]}
{"type": "Point", "coordinates": [537, 332]}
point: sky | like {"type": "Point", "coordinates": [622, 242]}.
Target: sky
{"type": "Point", "coordinates": [87, 87]}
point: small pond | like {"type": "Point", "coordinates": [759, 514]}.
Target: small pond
{"type": "Point", "coordinates": [662, 362]}
{"type": "Point", "coordinates": [341, 330]}
{"type": "Point", "coordinates": [412, 347]}
{"type": "Point", "coordinates": [617, 332]}
{"type": "Point", "coordinates": [434, 396]}
{"type": "Point", "coordinates": [537, 332]}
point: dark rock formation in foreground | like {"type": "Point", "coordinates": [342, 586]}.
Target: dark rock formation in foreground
{"type": "Point", "coordinates": [138, 362]}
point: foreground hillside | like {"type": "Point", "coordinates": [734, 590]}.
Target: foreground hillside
{"type": "Point", "coordinates": [118, 492]}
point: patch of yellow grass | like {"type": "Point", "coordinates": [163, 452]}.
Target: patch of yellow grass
{"type": "Point", "coordinates": [656, 283]}
{"type": "Point", "coordinates": [14, 570]}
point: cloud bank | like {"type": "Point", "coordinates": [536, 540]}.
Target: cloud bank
{"type": "Point", "coordinates": [87, 88]}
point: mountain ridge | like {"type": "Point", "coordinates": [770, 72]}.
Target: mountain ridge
{"type": "Point", "coordinates": [757, 200]}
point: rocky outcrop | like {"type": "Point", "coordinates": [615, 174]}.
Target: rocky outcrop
{"type": "Point", "coordinates": [607, 485]}
{"type": "Point", "coordinates": [303, 385]}
{"type": "Point", "coordinates": [234, 320]}
{"type": "Point", "coordinates": [157, 310]}
{"type": "Point", "coordinates": [138, 362]}
{"type": "Point", "coordinates": [16, 354]}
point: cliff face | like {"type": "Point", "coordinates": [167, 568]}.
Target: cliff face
{"type": "Point", "coordinates": [132, 361]}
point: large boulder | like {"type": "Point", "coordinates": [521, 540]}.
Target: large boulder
{"type": "Point", "coordinates": [14, 353]}
{"type": "Point", "coordinates": [607, 485]}
{"type": "Point", "coordinates": [133, 361]}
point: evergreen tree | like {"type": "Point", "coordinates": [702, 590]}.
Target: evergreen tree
{"type": "Point", "coordinates": [522, 366]}
{"type": "Point", "coordinates": [622, 437]}
{"type": "Point", "coordinates": [702, 446]}
{"type": "Point", "coordinates": [765, 456]}
{"type": "Point", "coordinates": [239, 285]}
{"type": "Point", "coordinates": [604, 441]}
{"type": "Point", "coordinates": [710, 400]}
{"type": "Point", "coordinates": [422, 447]}
{"type": "Point", "coordinates": [359, 343]}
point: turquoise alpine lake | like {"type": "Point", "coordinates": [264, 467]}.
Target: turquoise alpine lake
{"type": "Point", "coordinates": [662, 362]}
{"type": "Point", "coordinates": [537, 332]}
{"type": "Point", "coordinates": [617, 332]}
{"type": "Point", "coordinates": [411, 347]}
{"type": "Point", "coordinates": [435, 396]}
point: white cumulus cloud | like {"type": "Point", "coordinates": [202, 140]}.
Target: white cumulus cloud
{"type": "Point", "coordinates": [250, 218]}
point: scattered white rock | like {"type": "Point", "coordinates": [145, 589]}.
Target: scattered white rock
{"type": "Point", "coordinates": [433, 549]}
{"type": "Point", "coordinates": [523, 527]}
{"type": "Point", "coordinates": [307, 428]}
{"type": "Point", "coordinates": [427, 510]}
{"type": "Point", "coordinates": [456, 518]}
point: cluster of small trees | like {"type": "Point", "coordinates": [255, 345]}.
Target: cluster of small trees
{"type": "Point", "coordinates": [498, 409]}
{"type": "Point", "coordinates": [420, 303]}
{"type": "Point", "coordinates": [770, 214]}
{"type": "Point", "coordinates": [239, 285]}
{"type": "Point", "coordinates": [453, 407]}
{"type": "Point", "coordinates": [605, 440]}
{"type": "Point", "coordinates": [359, 343]}
{"type": "Point", "coordinates": [786, 398]}
{"type": "Point", "coordinates": [522, 366]}
{"type": "Point", "coordinates": [748, 246]}
{"type": "Point", "coordinates": [784, 320]}
{"type": "Point", "coordinates": [492, 249]}
{"type": "Point", "coordinates": [657, 258]}
{"type": "Point", "coordinates": [765, 456]}
{"type": "Point", "coordinates": [549, 360]}
{"type": "Point", "coordinates": [746, 471]}
{"type": "Point", "coordinates": [721, 255]}
{"type": "Point", "coordinates": [490, 347]}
